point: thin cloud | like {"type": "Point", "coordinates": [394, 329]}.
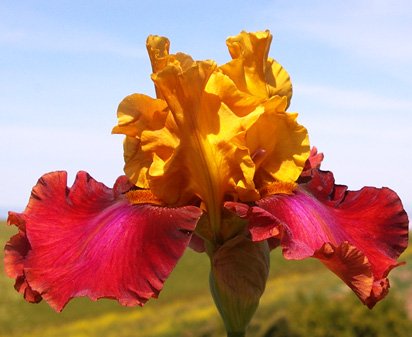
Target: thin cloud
{"type": "Point", "coordinates": [68, 42]}
{"type": "Point", "coordinates": [376, 30]}
{"type": "Point", "coordinates": [33, 31]}
{"type": "Point", "coordinates": [34, 150]}
{"type": "Point", "coordinates": [348, 99]}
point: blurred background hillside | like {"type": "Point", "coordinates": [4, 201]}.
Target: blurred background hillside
{"type": "Point", "coordinates": [302, 299]}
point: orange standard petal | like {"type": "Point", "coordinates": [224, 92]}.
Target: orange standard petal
{"type": "Point", "coordinates": [211, 150]}
{"type": "Point", "coordinates": [280, 145]}
{"type": "Point", "coordinates": [251, 68]}
{"type": "Point", "coordinates": [144, 119]}
{"type": "Point", "coordinates": [206, 137]}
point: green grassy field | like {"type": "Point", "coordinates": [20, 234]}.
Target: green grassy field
{"type": "Point", "coordinates": [302, 298]}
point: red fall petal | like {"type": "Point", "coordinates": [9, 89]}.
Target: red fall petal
{"type": "Point", "coordinates": [268, 227]}
{"type": "Point", "coordinates": [88, 240]}
{"type": "Point", "coordinates": [358, 235]}
{"type": "Point", "coordinates": [15, 251]}
{"type": "Point", "coordinates": [313, 162]}
{"type": "Point", "coordinates": [197, 243]}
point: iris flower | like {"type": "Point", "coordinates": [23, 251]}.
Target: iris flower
{"type": "Point", "coordinates": [214, 162]}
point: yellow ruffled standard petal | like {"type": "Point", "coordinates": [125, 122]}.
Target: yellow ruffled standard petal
{"type": "Point", "coordinates": [279, 145]}
{"type": "Point", "coordinates": [150, 130]}
{"type": "Point", "coordinates": [212, 149]}
{"type": "Point", "coordinates": [158, 50]}
{"type": "Point", "coordinates": [214, 133]}
{"type": "Point", "coordinates": [252, 70]}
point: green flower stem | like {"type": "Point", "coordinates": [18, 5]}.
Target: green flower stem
{"type": "Point", "coordinates": [236, 334]}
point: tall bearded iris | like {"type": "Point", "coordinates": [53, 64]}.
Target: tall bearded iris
{"type": "Point", "coordinates": [216, 163]}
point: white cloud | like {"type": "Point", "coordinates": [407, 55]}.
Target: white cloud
{"type": "Point", "coordinates": [376, 30]}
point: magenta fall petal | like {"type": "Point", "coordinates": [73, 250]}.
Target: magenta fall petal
{"type": "Point", "coordinates": [88, 240]}
{"type": "Point", "coordinates": [357, 234]}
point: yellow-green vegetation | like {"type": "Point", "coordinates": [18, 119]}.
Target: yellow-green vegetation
{"type": "Point", "coordinates": [302, 299]}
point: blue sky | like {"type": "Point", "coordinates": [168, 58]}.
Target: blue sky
{"type": "Point", "coordinates": [65, 66]}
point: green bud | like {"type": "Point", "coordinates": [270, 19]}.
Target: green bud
{"type": "Point", "coordinates": [238, 276]}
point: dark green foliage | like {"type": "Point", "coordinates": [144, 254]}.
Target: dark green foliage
{"type": "Point", "coordinates": [319, 316]}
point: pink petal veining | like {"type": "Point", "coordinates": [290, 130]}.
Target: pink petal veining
{"type": "Point", "coordinates": [357, 234]}
{"type": "Point", "coordinates": [88, 240]}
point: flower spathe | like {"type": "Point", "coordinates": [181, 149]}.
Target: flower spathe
{"type": "Point", "coordinates": [214, 162]}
